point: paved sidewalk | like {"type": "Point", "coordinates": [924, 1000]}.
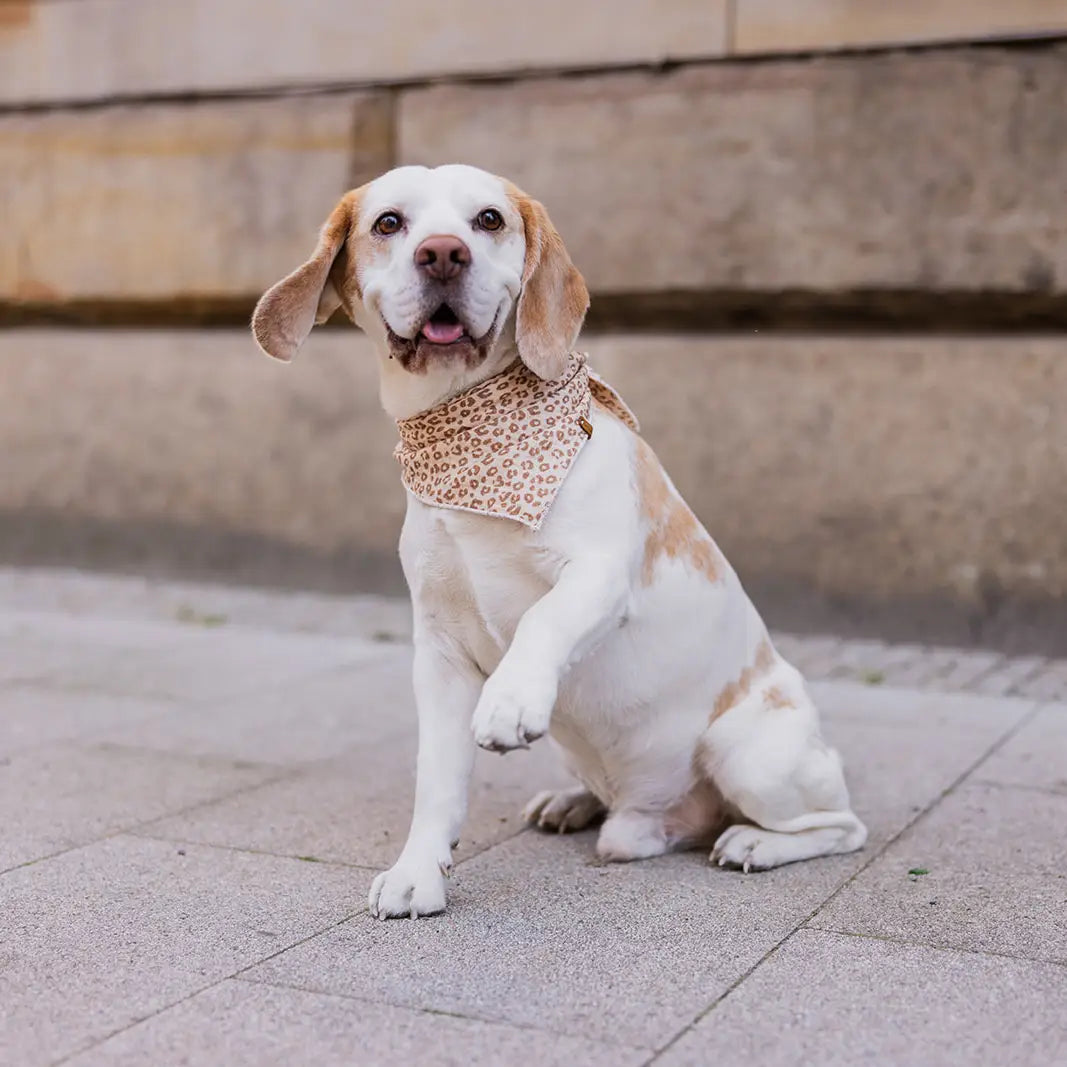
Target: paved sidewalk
{"type": "Point", "coordinates": [197, 785]}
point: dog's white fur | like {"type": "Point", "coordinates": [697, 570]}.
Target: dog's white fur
{"type": "Point", "coordinates": [617, 628]}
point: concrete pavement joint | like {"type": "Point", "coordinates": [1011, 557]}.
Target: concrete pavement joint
{"type": "Point", "coordinates": [85, 1047]}
{"type": "Point", "coordinates": [447, 1013]}
{"type": "Point", "coordinates": [936, 948]}
{"type": "Point", "coordinates": [210, 985]}
{"type": "Point", "coordinates": [253, 851]}
{"type": "Point", "coordinates": [131, 828]}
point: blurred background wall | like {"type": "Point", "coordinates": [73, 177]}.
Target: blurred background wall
{"type": "Point", "coordinates": [826, 240]}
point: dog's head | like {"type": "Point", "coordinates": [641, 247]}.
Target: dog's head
{"type": "Point", "coordinates": [442, 267]}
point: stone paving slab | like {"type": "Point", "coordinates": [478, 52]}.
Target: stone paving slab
{"type": "Point", "coordinates": [356, 809]}
{"type": "Point", "coordinates": [294, 722]}
{"type": "Point", "coordinates": [994, 878]}
{"type": "Point", "coordinates": [203, 667]}
{"type": "Point", "coordinates": [70, 595]}
{"type": "Point", "coordinates": [1036, 757]}
{"type": "Point", "coordinates": [166, 774]}
{"type": "Point", "coordinates": [35, 716]}
{"type": "Point", "coordinates": [892, 783]}
{"type": "Point", "coordinates": [60, 796]}
{"type": "Point", "coordinates": [836, 1001]}
{"type": "Point", "coordinates": [105, 935]}
{"type": "Point", "coordinates": [110, 599]}
{"type": "Point", "coordinates": [244, 1024]}
{"type": "Point", "coordinates": [538, 934]}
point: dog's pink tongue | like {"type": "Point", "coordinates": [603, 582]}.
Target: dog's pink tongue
{"type": "Point", "coordinates": [442, 333]}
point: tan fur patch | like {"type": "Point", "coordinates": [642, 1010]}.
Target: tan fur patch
{"type": "Point", "coordinates": [554, 298]}
{"type": "Point", "coordinates": [15, 14]}
{"type": "Point", "coordinates": [734, 692]}
{"type": "Point", "coordinates": [775, 698]}
{"type": "Point", "coordinates": [289, 309]}
{"type": "Point", "coordinates": [673, 530]}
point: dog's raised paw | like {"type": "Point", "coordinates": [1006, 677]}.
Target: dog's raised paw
{"type": "Point", "coordinates": [511, 716]}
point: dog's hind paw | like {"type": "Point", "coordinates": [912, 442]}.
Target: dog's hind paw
{"type": "Point", "coordinates": [563, 811]}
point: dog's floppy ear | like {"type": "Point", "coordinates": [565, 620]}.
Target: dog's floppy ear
{"type": "Point", "coordinates": [553, 300]}
{"type": "Point", "coordinates": [288, 309]}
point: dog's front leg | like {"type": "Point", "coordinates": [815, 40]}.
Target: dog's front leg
{"type": "Point", "coordinates": [446, 689]}
{"type": "Point", "coordinates": [516, 704]}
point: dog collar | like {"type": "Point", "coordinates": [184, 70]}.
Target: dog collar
{"type": "Point", "coordinates": [505, 447]}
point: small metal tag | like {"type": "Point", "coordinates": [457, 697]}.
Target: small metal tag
{"type": "Point", "coordinates": [586, 425]}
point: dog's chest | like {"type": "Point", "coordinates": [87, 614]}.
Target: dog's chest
{"type": "Point", "coordinates": [474, 576]}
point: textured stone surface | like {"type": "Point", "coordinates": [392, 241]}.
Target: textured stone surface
{"type": "Point", "coordinates": [108, 934]}
{"type": "Point", "coordinates": [254, 1025]}
{"type": "Point", "coordinates": [932, 171]}
{"type": "Point", "coordinates": [33, 716]}
{"type": "Point", "coordinates": [199, 666]}
{"type": "Point", "coordinates": [208, 45]}
{"type": "Point", "coordinates": [891, 780]}
{"type": "Point", "coordinates": [838, 1001]}
{"type": "Point", "coordinates": [131, 948]}
{"type": "Point", "coordinates": [594, 941]}
{"type": "Point", "coordinates": [295, 721]}
{"type": "Point", "coordinates": [1036, 757]}
{"type": "Point", "coordinates": [209, 433]}
{"type": "Point", "coordinates": [875, 470]}
{"type": "Point", "coordinates": [811, 25]}
{"type": "Point", "coordinates": [995, 877]}
{"type": "Point", "coordinates": [198, 200]}
{"type": "Point", "coordinates": [896, 465]}
{"type": "Point", "coordinates": [69, 795]}
{"type": "Point", "coordinates": [356, 809]}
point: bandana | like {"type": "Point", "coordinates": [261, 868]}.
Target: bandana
{"type": "Point", "coordinates": [504, 447]}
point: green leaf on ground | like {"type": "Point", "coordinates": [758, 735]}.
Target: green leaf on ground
{"type": "Point", "coordinates": [193, 617]}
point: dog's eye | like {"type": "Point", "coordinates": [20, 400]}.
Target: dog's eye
{"type": "Point", "coordinates": [490, 219]}
{"type": "Point", "coordinates": [388, 223]}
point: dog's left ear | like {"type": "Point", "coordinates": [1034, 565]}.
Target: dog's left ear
{"type": "Point", "coordinates": [553, 300]}
{"type": "Point", "coordinates": [288, 309]}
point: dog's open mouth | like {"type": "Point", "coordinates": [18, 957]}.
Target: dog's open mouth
{"type": "Point", "coordinates": [443, 338]}
{"type": "Point", "coordinates": [444, 328]}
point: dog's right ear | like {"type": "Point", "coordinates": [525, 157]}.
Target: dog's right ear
{"type": "Point", "coordinates": [288, 309]}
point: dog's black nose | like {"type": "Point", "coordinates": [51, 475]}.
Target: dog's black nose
{"type": "Point", "coordinates": [442, 257]}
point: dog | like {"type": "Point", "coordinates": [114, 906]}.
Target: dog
{"type": "Point", "coordinates": [560, 584]}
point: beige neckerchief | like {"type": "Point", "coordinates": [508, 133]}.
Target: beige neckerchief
{"type": "Point", "coordinates": [504, 447]}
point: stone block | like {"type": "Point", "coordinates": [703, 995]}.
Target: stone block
{"type": "Point", "coordinates": [927, 171]}
{"type": "Point", "coordinates": [96, 49]}
{"type": "Point", "coordinates": [907, 471]}
{"type": "Point", "coordinates": [204, 201]}
{"type": "Point", "coordinates": [763, 26]}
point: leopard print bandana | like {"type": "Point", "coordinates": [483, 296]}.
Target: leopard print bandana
{"type": "Point", "coordinates": [504, 447]}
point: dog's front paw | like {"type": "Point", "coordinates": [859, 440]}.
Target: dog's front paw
{"type": "Point", "coordinates": [512, 712]}
{"type": "Point", "coordinates": [409, 888]}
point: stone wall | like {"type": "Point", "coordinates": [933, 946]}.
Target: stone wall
{"type": "Point", "coordinates": [830, 271]}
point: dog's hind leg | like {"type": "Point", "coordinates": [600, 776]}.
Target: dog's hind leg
{"type": "Point", "coordinates": [766, 756]}
{"type": "Point", "coordinates": [563, 810]}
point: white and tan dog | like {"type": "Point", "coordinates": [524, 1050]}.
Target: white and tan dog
{"type": "Point", "coordinates": [616, 627]}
